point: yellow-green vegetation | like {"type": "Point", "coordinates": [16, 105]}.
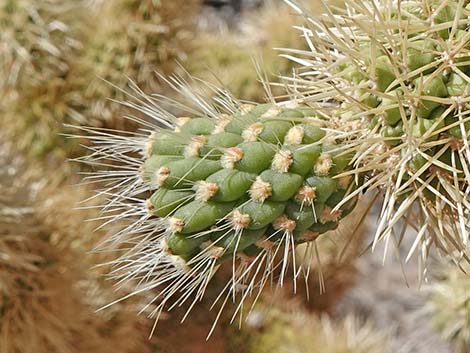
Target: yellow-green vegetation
{"type": "Point", "coordinates": [38, 50]}
{"type": "Point", "coordinates": [399, 70]}
{"type": "Point", "coordinates": [295, 331]}
{"type": "Point", "coordinates": [133, 39]}
{"type": "Point", "coordinates": [448, 306]}
{"type": "Point", "coordinates": [227, 57]}
{"type": "Point", "coordinates": [55, 56]}
{"type": "Point", "coordinates": [37, 42]}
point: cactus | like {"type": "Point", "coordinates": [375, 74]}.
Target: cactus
{"type": "Point", "coordinates": [56, 54]}
{"type": "Point", "coordinates": [448, 307]}
{"type": "Point", "coordinates": [401, 71]}
{"type": "Point", "coordinates": [244, 183]}
{"type": "Point", "coordinates": [378, 104]}
{"type": "Point", "coordinates": [39, 46]}
{"type": "Point", "coordinates": [133, 39]}
{"type": "Point", "coordinates": [290, 329]}
{"type": "Point", "coordinates": [48, 293]}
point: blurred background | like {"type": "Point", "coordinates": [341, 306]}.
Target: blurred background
{"type": "Point", "coordinates": [70, 62]}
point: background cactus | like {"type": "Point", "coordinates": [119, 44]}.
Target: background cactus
{"type": "Point", "coordinates": [289, 329]}
{"type": "Point", "coordinates": [448, 307]}
{"type": "Point", "coordinates": [226, 56]}
{"type": "Point", "coordinates": [39, 47]}
{"type": "Point", "coordinates": [56, 56]}
{"type": "Point", "coordinates": [134, 40]}
{"type": "Point", "coordinates": [48, 297]}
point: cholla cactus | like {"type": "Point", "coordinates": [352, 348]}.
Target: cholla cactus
{"type": "Point", "coordinates": [292, 330]}
{"type": "Point", "coordinates": [38, 49]}
{"type": "Point", "coordinates": [227, 55]}
{"type": "Point", "coordinates": [54, 56]}
{"type": "Point", "coordinates": [401, 70]}
{"type": "Point", "coordinates": [48, 297]}
{"type": "Point", "coordinates": [134, 40]}
{"type": "Point", "coordinates": [448, 307]}
{"type": "Point", "coordinates": [37, 43]}
{"type": "Point", "coordinates": [245, 186]}
{"type": "Point", "coordinates": [379, 102]}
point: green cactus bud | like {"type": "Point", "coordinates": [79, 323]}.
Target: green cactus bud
{"type": "Point", "coordinates": [434, 87]}
{"type": "Point", "coordinates": [232, 184]}
{"type": "Point", "coordinates": [446, 14]}
{"type": "Point", "coordinates": [181, 173]}
{"type": "Point", "coordinates": [384, 75]}
{"type": "Point", "coordinates": [457, 85]}
{"type": "Point", "coordinates": [237, 242]}
{"type": "Point", "coordinates": [166, 144]}
{"type": "Point", "coordinates": [291, 113]}
{"type": "Point", "coordinates": [165, 201]}
{"type": "Point", "coordinates": [304, 215]}
{"type": "Point", "coordinates": [250, 157]}
{"type": "Point", "coordinates": [416, 163]}
{"type": "Point", "coordinates": [340, 159]}
{"type": "Point", "coordinates": [456, 131]}
{"type": "Point", "coordinates": [198, 215]}
{"type": "Point", "coordinates": [274, 131]}
{"type": "Point", "coordinates": [393, 134]}
{"type": "Point", "coordinates": [183, 244]}
{"type": "Point", "coordinates": [283, 185]}
{"type": "Point", "coordinates": [392, 111]}
{"type": "Point", "coordinates": [261, 214]}
{"type": "Point", "coordinates": [198, 126]}
{"type": "Point", "coordinates": [303, 158]}
{"type": "Point", "coordinates": [324, 187]}
{"type": "Point", "coordinates": [217, 143]}
{"type": "Point", "coordinates": [153, 164]}
{"type": "Point", "coordinates": [369, 99]}
{"type": "Point", "coordinates": [420, 53]}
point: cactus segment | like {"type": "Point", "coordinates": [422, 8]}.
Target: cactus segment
{"type": "Point", "coordinates": [303, 158]}
{"type": "Point", "coordinates": [182, 244]}
{"type": "Point", "coordinates": [324, 187]}
{"type": "Point", "coordinates": [234, 242]}
{"type": "Point", "coordinates": [198, 126]}
{"type": "Point", "coordinates": [231, 182]}
{"type": "Point", "coordinates": [284, 185]}
{"type": "Point", "coordinates": [261, 214]}
{"type": "Point", "coordinates": [383, 73]}
{"type": "Point", "coordinates": [166, 144]}
{"type": "Point", "coordinates": [217, 143]}
{"type": "Point", "coordinates": [407, 90]}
